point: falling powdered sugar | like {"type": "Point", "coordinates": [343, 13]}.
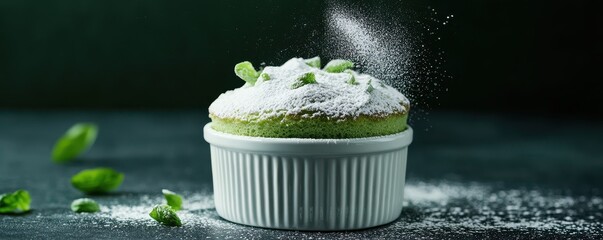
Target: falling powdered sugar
{"type": "Point", "coordinates": [395, 42]}
{"type": "Point", "coordinates": [380, 52]}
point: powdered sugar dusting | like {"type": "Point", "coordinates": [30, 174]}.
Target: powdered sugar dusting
{"type": "Point", "coordinates": [431, 209]}
{"type": "Point", "coordinates": [138, 212]}
{"type": "Point", "coordinates": [330, 97]}
{"type": "Point", "coordinates": [443, 206]}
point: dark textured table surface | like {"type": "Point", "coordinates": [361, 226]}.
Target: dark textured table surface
{"type": "Point", "coordinates": [469, 176]}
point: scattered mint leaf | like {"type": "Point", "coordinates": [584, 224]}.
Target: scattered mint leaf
{"type": "Point", "coordinates": [165, 215]}
{"type": "Point", "coordinates": [352, 79]}
{"type": "Point", "coordinates": [265, 76]}
{"type": "Point", "coordinates": [16, 202]}
{"type": "Point", "coordinates": [245, 71]}
{"type": "Point", "coordinates": [370, 87]}
{"type": "Point", "coordinates": [338, 65]}
{"type": "Point", "coordinates": [304, 79]}
{"type": "Point", "coordinates": [84, 205]}
{"type": "Point", "coordinates": [173, 200]}
{"type": "Point", "coordinates": [74, 142]}
{"type": "Point", "coordinates": [97, 180]}
{"type": "Point", "coordinates": [313, 62]}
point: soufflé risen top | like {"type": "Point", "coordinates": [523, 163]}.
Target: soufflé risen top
{"type": "Point", "coordinates": [301, 100]}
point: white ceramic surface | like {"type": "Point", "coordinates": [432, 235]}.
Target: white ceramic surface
{"type": "Point", "coordinates": [308, 184]}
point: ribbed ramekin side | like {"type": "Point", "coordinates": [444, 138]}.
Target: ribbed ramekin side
{"type": "Point", "coordinates": [308, 193]}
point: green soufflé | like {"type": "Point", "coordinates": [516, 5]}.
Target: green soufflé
{"type": "Point", "coordinates": [300, 82]}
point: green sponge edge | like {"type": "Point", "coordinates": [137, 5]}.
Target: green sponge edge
{"type": "Point", "coordinates": [321, 128]}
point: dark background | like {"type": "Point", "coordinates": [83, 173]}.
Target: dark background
{"type": "Point", "coordinates": [521, 117]}
{"type": "Point", "coordinates": [518, 57]}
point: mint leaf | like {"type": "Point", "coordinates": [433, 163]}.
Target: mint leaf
{"type": "Point", "coordinates": [97, 180]}
{"type": "Point", "coordinates": [16, 202]}
{"type": "Point", "coordinates": [313, 62]}
{"type": "Point", "coordinates": [304, 79]}
{"type": "Point", "coordinates": [370, 87]}
{"type": "Point", "coordinates": [338, 65]}
{"type": "Point", "coordinates": [352, 80]}
{"type": "Point", "coordinates": [165, 215]}
{"type": "Point", "coordinates": [84, 205]}
{"type": "Point", "coordinates": [245, 71]}
{"type": "Point", "coordinates": [74, 142]}
{"type": "Point", "coordinates": [173, 200]}
{"type": "Point", "coordinates": [265, 76]}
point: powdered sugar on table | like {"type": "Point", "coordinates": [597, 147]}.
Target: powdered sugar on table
{"type": "Point", "coordinates": [330, 97]}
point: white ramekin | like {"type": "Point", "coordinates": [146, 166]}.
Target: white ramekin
{"type": "Point", "coordinates": [308, 184]}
